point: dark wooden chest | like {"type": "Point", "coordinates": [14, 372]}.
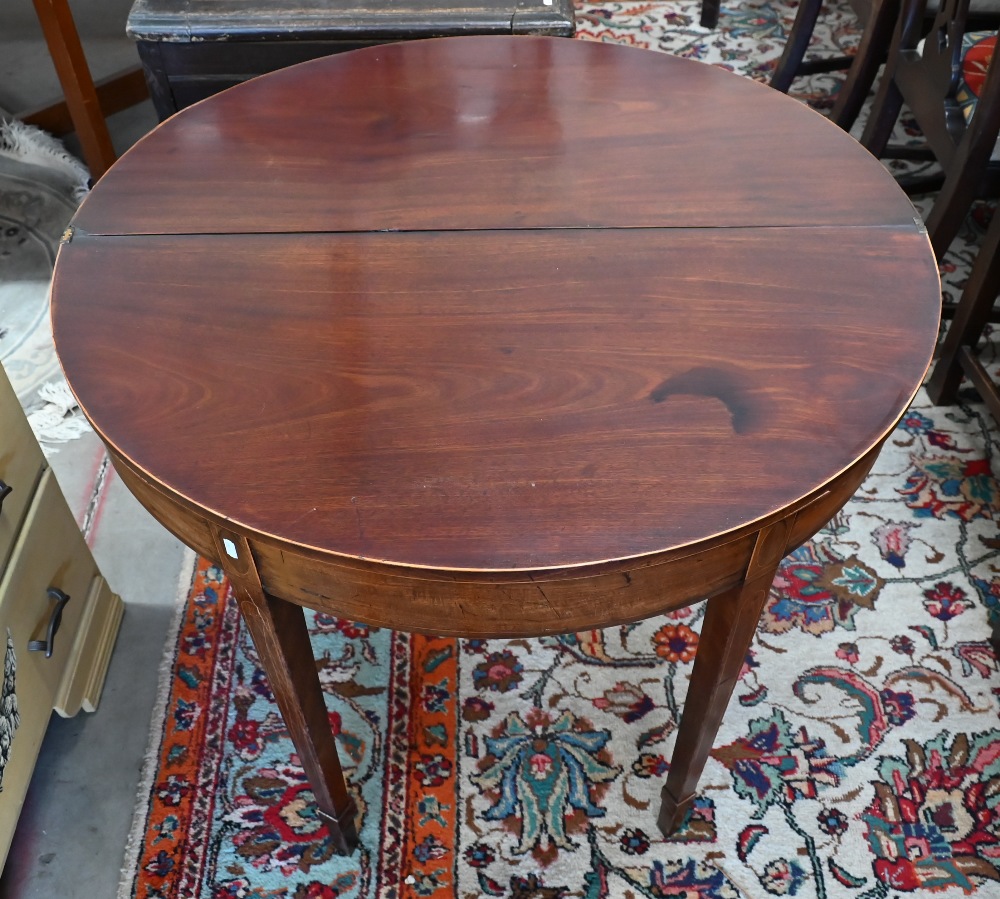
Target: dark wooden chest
{"type": "Point", "coordinates": [191, 49]}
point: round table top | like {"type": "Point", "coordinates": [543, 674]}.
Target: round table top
{"type": "Point", "coordinates": [494, 304]}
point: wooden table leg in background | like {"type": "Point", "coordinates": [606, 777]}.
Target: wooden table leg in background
{"type": "Point", "coordinates": [730, 623]}
{"type": "Point", "coordinates": [279, 633]}
{"type": "Point", "coordinates": [78, 86]}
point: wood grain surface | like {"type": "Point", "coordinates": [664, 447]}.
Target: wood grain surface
{"type": "Point", "coordinates": [495, 336]}
{"type": "Point", "coordinates": [431, 305]}
{"type": "Point", "coordinates": [493, 132]}
{"type": "Point", "coordinates": [494, 400]}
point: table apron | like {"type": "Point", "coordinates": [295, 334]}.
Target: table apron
{"type": "Point", "coordinates": [498, 604]}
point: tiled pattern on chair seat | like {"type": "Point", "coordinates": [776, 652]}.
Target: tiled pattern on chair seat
{"type": "Point", "coordinates": [977, 51]}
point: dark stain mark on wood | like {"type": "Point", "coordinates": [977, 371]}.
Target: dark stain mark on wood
{"type": "Point", "coordinates": [728, 385]}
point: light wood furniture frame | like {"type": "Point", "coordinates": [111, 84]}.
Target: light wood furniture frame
{"type": "Point", "coordinates": [86, 103]}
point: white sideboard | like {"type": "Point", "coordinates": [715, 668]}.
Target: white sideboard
{"type": "Point", "coordinates": [58, 617]}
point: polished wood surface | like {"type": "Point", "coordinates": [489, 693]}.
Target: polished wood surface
{"type": "Point", "coordinates": [493, 132]}
{"type": "Point", "coordinates": [563, 398]}
{"type": "Point", "coordinates": [392, 336]}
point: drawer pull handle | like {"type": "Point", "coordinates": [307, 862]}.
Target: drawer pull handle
{"type": "Point", "coordinates": [5, 491]}
{"type": "Point", "coordinates": [55, 619]}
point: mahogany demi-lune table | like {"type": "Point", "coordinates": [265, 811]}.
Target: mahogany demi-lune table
{"type": "Point", "coordinates": [495, 336]}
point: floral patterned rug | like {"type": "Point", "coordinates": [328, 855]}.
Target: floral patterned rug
{"type": "Point", "coordinates": [860, 757]}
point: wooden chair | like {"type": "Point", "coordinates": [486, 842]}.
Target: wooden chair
{"type": "Point", "coordinates": [85, 103]}
{"type": "Point", "coordinates": [958, 355]}
{"type": "Point", "coordinates": [960, 128]}
{"type": "Point", "coordinates": [879, 18]}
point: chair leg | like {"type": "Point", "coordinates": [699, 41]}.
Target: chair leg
{"type": "Point", "coordinates": [884, 112]}
{"type": "Point", "coordinates": [951, 206]}
{"type": "Point", "coordinates": [888, 101]}
{"type": "Point", "coordinates": [710, 13]}
{"type": "Point", "coordinates": [796, 45]}
{"type": "Point", "coordinates": [78, 86]}
{"type": "Point", "coordinates": [970, 320]}
{"type": "Point", "coordinates": [871, 53]}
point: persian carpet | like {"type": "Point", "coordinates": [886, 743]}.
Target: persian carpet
{"type": "Point", "coordinates": [859, 758]}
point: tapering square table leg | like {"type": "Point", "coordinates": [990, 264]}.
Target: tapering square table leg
{"type": "Point", "coordinates": [730, 623]}
{"type": "Point", "coordinates": [280, 635]}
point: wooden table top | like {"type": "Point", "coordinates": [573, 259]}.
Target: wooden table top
{"type": "Point", "coordinates": [495, 304]}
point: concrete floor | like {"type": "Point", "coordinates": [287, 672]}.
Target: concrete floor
{"type": "Point", "coordinates": [72, 831]}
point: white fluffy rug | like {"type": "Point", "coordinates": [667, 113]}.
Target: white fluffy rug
{"type": "Point", "coordinates": [41, 186]}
